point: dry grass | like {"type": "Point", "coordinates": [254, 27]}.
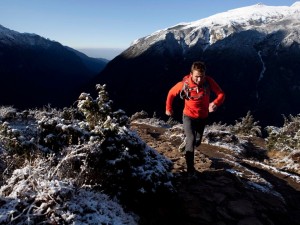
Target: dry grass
{"type": "Point", "coordinates": [276, 154]}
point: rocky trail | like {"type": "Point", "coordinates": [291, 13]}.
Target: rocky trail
{"type": "Point", "coordinates": [229, 188]}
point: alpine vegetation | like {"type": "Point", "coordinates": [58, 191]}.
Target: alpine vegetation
{"type": "Point", "coordinates": [286, 138]}
{"type": "Point", "coordinates": [75, 165]}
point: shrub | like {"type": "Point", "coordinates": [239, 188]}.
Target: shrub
{"type": "Point", "coordinates": [247, 126]}
{"type": "Point", "coordinates": [287, 137]}
{"type": "Point", "coordinates": [91, 145]}
{"type": "Point", "coordinates": [139, 115]}
{"type": "Point", "coordinates": [7, 112]}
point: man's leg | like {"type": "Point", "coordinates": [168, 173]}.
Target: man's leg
{"type": "Point", "coordinates": [189, 147]}
{"type": "Point", "coordinates": [199, 130]}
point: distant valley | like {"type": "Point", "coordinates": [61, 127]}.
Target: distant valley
{"type": "Point", "coordinates": [36, 71]}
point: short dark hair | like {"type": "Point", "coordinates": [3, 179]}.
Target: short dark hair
{"type": "Point", "coordinates": [199, 66]}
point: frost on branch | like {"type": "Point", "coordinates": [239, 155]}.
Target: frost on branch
{"type": "Point", "coordinates": [286, 138]}
{"type": "Point", "coordinates": [247, 126]}
{"type": "Point", "coordinates": [97, 111]}
{"type": "Point", "coordinates": [30, 196]}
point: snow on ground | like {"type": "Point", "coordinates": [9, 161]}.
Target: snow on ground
{"type": "Point", "coordinates": [31, 195]}
{"type": "Point", "coordinates": [275, 170]}
{"type": "Point", "coordinates": [35, 194]}
{"type": "Point", "coordinates": [233, 149]}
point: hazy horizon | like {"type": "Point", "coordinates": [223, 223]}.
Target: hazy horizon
{"type": "Point", "coordinates": [106, 53]}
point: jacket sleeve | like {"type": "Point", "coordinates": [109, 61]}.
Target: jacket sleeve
{"type": "Point", "coordinates": [220, 95]}
{"type": "Point", "coordinates": [174, 91]}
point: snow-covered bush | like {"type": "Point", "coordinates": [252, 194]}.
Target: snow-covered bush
{"type": "Point", "coordinates": [283, 144]}
{"type": "Point", "coordinates": [212, 136]}
{"type": "Point", "coordinates": [7, 112]}
{"type": "Point", "coordinates": [55, 133]}
{"type": "Point", "coordinates": [33, 196]}
{"type": "Point", "coordinates": [139, 115]}
{"type": "Point", "coordinates": [218, 132]}
{"type": "Point", "coordinates": [18, 136]}
{"type": "Point", "coordinates": [96, 111]}
{"type": "Point", "coordinates": [287, 137]}
{"type": "Point", "coordinates": [116, 157]}
{"type": "Point", "coordinates": [91, 145]}
{"type": "Point", "coordinates": [247, 126]}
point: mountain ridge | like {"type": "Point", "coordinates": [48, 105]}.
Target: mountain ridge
{"type": "Point", "coordinates": [36, 71]}
{"type": "Point", "coordinates": [256, 14]}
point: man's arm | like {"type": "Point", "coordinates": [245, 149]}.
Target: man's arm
{"type": "Point", "coordinates": [220, 95]}
{"type": "Point", "coordinates": [174, 91]}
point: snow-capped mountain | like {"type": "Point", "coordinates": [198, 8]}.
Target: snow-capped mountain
{"type": "Point", "coordinates": [36, 71]}
{"type": "Point", "coordinates": [12, 38]}
{"type": "Point", "coordinates": [252, 52]}
{"type": "Point", "coordinates": [208, 31]}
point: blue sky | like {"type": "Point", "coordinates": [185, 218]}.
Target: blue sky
{"type": "Point", "coordinates": [109, 24]}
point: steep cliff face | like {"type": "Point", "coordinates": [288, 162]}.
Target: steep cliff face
{"type": "Point", "coordinates": [251, 52]}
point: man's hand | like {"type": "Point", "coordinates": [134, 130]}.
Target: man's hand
{"type": "Point", "coordinates": [169, 113]}
{"type": "Point", "coordinates": [212, 107]}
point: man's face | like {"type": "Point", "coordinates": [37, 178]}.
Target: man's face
{"type": "Point", "coordinates": [198, 77]}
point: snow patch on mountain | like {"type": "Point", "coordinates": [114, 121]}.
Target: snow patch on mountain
{"type": "Point", "coordinates": [10, 38]}
{"type": "Point", "coordinates": [209, 30]}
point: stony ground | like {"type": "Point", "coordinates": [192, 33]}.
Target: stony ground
{"type": "Point", "coordinates": [216, 195]}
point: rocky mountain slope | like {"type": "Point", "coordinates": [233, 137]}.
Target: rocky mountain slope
{"type": "Point", "coordinates": [36, 71]}
{"type": "Point", "coordinates": [251, 52]}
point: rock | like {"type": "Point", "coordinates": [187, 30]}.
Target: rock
{"type": "Point", "coordinates": [241, 207]}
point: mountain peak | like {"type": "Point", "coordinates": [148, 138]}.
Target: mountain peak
{"type": "Point", "coordinates": [260, 4]}
{"type": "Point", "coordinates": [258, 11]}
{"type": "Point", "coordinates": [296, 4]}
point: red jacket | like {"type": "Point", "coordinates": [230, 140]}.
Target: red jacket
{"type": "Point", "coordinates": [196, 107]}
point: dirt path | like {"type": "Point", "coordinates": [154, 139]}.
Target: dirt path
{"type": "Point", "coordinates": [228, 189]}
